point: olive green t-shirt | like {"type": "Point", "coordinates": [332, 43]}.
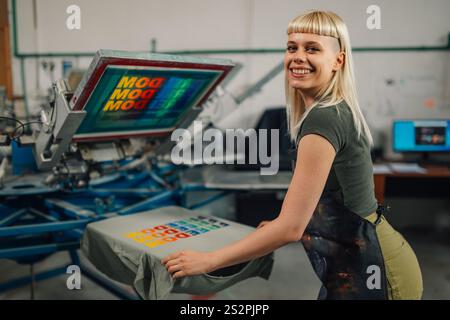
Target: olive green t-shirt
{"type": "Point", "coordinates": [351, 175]}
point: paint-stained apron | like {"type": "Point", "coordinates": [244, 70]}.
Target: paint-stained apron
{"type": "Point", "coordinates": [345, 252]}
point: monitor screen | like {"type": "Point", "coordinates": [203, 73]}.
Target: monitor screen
{"type": "Point", "coordinates": [136, 95]}
{"type": "Point", "coordinates": [421, 135]}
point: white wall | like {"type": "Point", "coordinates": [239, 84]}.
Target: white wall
{"type": "Point", "coordinates": [391, 84]}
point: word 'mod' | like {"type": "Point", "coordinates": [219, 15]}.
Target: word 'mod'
{"type": "Point", "coordinates": [171, 232]}
{"type": "Point", "coordinates": [133, 93]}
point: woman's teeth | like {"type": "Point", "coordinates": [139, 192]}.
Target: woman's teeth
{"type": "Point", "coordinates": [301, 71]}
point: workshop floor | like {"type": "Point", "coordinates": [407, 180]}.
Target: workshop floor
{"type": "Point", "coordinates": [292, 276]}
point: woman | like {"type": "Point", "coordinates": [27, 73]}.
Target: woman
{"type": "Point", "coordinates": [330, 204]}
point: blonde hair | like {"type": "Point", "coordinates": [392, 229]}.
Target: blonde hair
{"type": "Point", "coordinates": [342, 85]}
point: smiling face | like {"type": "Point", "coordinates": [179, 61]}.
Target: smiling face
{"type": "Point", "coordinates": [311, 60]}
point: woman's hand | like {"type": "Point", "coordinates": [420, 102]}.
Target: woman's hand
{"type": "Point", "coordinates": [188, 263]}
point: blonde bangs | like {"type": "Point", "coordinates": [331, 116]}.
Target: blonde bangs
{"type": "Point", "coordinates": [315, 22]}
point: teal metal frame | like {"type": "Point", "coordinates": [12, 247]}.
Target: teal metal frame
{"type": "Point", "coordinates": [34, 226]}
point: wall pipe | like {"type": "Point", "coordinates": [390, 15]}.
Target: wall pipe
{"type": "Point", "coordinates": [18, 54]}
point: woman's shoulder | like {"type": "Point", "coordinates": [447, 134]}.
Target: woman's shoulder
{"type": "Point", "coordinates": [331, 122]}
{"type": "Point", "coordinates": [335, 115]}
{"type": "Point", "coordinates": [333, 108]}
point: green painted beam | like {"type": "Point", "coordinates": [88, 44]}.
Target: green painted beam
{"type": "Point", "coordinates": [274, 50]}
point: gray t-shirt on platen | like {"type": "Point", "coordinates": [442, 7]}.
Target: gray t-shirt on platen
{"type": "Point", "coordinates": [129, 249]}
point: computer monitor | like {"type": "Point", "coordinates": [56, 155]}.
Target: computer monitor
{"type": "Point", "coordinates": [423, 136]}
{"type": "Point", "coordinates": [128, 94]}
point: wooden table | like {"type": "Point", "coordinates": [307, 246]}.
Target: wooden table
{"type": "Point", "coordinates": [433, 172]}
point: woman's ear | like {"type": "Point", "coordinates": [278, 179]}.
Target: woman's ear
{"type": "Point", "coordinates": [340, 59]}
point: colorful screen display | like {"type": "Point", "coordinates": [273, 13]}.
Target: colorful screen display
{"type": "Point", "coordinates": [129, 100]}
{"type": "Point", "coordinates": [421, 135]}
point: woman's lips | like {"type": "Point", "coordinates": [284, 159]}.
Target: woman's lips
{"type": "Point", "coordinates": [299, 73]}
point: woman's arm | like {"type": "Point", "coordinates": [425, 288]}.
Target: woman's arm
{"type": "Point", "coordinates": [315, 156]}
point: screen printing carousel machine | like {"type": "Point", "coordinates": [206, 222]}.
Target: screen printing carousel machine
{"type": "Point", "coordinates": [97, 179]}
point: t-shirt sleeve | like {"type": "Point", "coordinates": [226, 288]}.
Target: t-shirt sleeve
{"type": "Point", "coordinates": [327, 123]}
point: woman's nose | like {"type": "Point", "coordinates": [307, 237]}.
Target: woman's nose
{"type": "Point", "coordinates": [300, 57]}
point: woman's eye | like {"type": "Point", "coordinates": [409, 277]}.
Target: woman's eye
{"type": "Point", "coordinates": [291, 49]}
{"type": "Point", "coordinates": [312, 49]}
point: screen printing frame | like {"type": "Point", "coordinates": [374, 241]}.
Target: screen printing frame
{"type": "Point", "coordinates": [394, 121]}
{"type": "Point", "coordinates": [145, 61]}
